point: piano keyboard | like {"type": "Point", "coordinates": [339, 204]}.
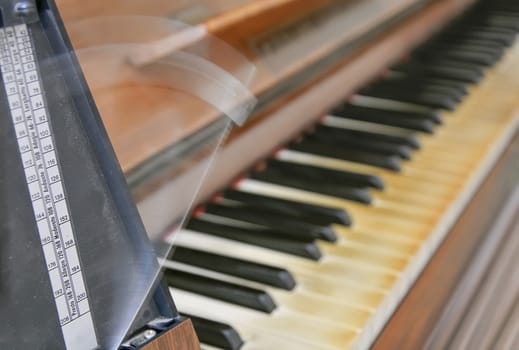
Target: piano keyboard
{"type": "Point", "coordinates": [315, 247]}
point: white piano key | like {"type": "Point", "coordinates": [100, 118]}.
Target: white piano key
{"type": "Point", "coordinates": [282, 323]}
{"type": "Point", "coordinates": [335, 310]}
{"type": "Point", "coordinates": [357, 280]}
{"type": "Point", "coordinates": [391, 217]}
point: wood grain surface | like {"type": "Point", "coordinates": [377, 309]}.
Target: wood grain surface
{"type": "Point", "coordinates": [182, 337]}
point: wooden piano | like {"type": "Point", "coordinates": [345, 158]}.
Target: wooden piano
{"type": "Point", "coordinates": [370, 195]}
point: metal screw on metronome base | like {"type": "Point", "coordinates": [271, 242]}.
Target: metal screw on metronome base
{"type": "Point", "coordinates": [24, 8]}
{"type": "Point", "coordinates": [150, 333]}
{"type": "Point", "coordinates": [139, 340]}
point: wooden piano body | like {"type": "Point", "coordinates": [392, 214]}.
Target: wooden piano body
{"type": "Point", "coordinates": [296, 86]}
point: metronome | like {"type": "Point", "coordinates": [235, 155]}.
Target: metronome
{"type": "Point", "coordinates": [76, 268]}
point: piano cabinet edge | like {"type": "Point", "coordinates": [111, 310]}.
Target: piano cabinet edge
{"type": "Point", "coordinates": [182, 337]}
{"type": "Point", "coordinates": [415, 319]}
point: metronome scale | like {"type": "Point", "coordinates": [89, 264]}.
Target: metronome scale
{"type": "Point", "coordinates": [76, 266]}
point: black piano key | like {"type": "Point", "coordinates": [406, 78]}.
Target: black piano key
{"type": "Point", "coordinates": [489, 22]}
{"type": "Point", "coordinates": [251, 298]}
{"type": "Point", "coordinates": [289, 227]}
{"type": "Point", "coordinates": [410, 139]}
{"type": "Point", "coordinates": [378, 147]}
{"type": "Point", "coordinates": [449, 62]}
{"type": "Point", "coordinates": [314, 214]}
{"type": "Point", "coordinates": [423, 98]}
{"type": "Point", "coordinates": [463, 87]}
{"type": "Point", "coordinates": [460, 47]}
{"type": "Point", "coordinates": [505, 20]}
{"type": "Point", "coordinates": [412, 84]}
{"type": "Point", "coordinates": [412, 88]}
{"type": "Point", "coordinates": [269, 275]}
{"type": "Point", "coordinates": [466, 75]}
{"type": "Point", "coordinates": [407, 120]}
{"type": "Point", "coordinates": [494, 51]}
{"type": "Point", "coordinates": [457, 41]}
{"type": "Point", "coordinates": [421, 83]}
{"type": "Point", "coordinates": [333, 176]}
{"type": "Point", "coordinates": [381, 161]}
{"type": "Point", "coordinates": [495, 29]}
{"type": "Point", "coordinates": [428, 99]}
{"type": "Point", "coordinates": [259, 237]}
{"type": "Point", "coordinates": [495, 7]}
{"type": "Point", "coordinates": [273, 176]}
{"type": "Point", "coordinates": [476, 27]}
{"type": "Point", "coordinates": [509, 14]}
{"type": "Point", "coordinates": [504, 39]}
{"type": "Point", "coordinates": [481, 58]}
{"type": "Point", "coordinates": [500, 5]}
{"type": "Point", "coordinates": [216, 334]}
